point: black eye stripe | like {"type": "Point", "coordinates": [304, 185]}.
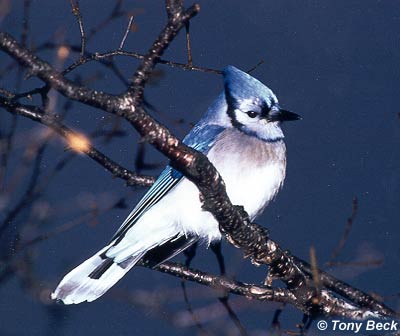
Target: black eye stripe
{"type": "Point", "coordinates": [265, 110]}
{"type": "Point", "coordinates": [252, 114]}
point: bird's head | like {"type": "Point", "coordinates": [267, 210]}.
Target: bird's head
{"type": "Point", "coordinates": [252, 107]}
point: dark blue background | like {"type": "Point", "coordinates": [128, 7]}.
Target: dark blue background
{"type": "Point", "coordinates": [334, 62]}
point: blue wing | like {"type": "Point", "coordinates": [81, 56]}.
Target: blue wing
{"type": "Point", "coordinates": [201, 138]}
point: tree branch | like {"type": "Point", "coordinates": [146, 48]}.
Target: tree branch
{"type": "Point", "coordinates": [38, 115]}
{"type": "Point", "coordinates": [336, 307]}
{"type": "Point", "coordinates": [78, 15]}
{"type": "Point", "coordinates": [177, 18]}
{"type": "Point", "coordinates": [250, 291]}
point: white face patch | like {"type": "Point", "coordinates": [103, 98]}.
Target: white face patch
{"type": "Point", "coordinates": [258, 126]}
{"type": "Point", "coordinates": [244, 119]}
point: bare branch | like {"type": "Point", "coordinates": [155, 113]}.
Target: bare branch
{"type": "Point", "coordinates": [128, 29]}
{"type": "Point", "coordinates": [78, 15]}
{"type": "Point", "coordinates": [177, 20]}
{"type": "Point", "coordinates": [188, 45]}
{"type": "Point", "coordinates": [262, 293]}
{"type": "Point", "coordinates": [233, 316]}
{"type": "Point", "coordinates": [108, 54]}
{"type": "Point", "coordinates": [28, 194]}
{"type": "Point", "coordinates": [38, 115]}
{"type": "Point", "coordinates": [331, 306]}
{"type": "Point", "coordinates": [349, 224]}
{"type": "Point", "coordinates": [255, 66]}
{"type": "Point", "coordinates": [45, 72]}
{"type": "Point", "coordinates": [345, 290]}
{"type": "Point", "coordinates": [173, 8]}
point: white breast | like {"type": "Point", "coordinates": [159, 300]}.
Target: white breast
{"type": "Point", "coordinates": [253, 172]}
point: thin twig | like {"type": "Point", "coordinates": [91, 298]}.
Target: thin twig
{"type": "Point", "coordinates": [188, 45]}
{"type": "Point", "coordinates": [315, 274]}
{"type": "Point", "coordinates": [233, 316]}
{"type": "Point", "coordinates": [76, 11]}
{"type": "Point", "coordinates": [350, 293]}
{"type": "Point", "coordinates": [128, 29]}
{"type": "Point", "coordinates": [108, 54]}
{"type": "Point", "coordinates": [24, 40]}
{"type": "Point", "coordinates": [5, 149]}
{"type": "Point", "coordinates": [103, 58]}
{"type": "Point", "coordinates": [255, 67]}
{"type": "Point", "coordinates": [275, 324]}
{"type": "Point", "coordinates": [366, 263]}
{"type": "Point", "coordinates": [25, 23]}
{"type": "Point", "coordinates": [349, 224]}
{"type": "Point", "coordinates": [190, 253]}
{"type": "Point", "coordinates": [189, 308]}
{"type": "Point", "coordinates": [29, 193]}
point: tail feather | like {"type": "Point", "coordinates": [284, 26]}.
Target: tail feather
{"type": "Point", "coordinates": [98, 274]}
{"type": "Point", "coordinates": [92, 278]}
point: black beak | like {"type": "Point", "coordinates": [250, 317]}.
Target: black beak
{"type": "Point", "coordinates": [284, 115]}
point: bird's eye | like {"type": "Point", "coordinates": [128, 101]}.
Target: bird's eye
{"type": "Point", "coordinates": [252, 114]}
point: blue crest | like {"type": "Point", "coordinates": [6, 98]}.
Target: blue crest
{"type": "Point", "coordinates": [240, 86]}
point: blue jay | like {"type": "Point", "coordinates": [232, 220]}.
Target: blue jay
{"type": "Point", "coordinates": [241, 135]}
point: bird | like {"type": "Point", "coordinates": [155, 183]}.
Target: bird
{"type": "Point", "coordinates": [241, 135]}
